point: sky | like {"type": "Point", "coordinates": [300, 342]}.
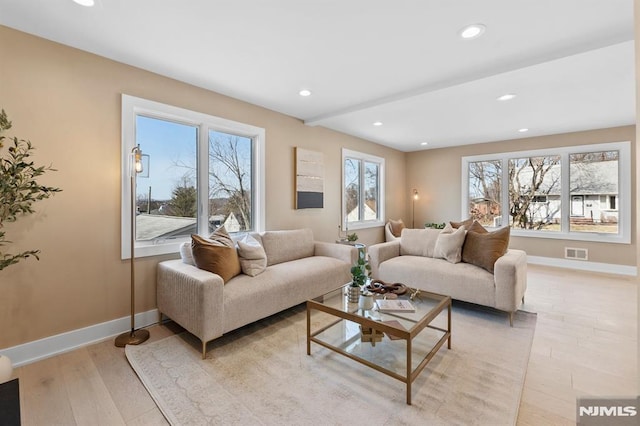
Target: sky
{"type": "Point", "coordinates": [172, 154]}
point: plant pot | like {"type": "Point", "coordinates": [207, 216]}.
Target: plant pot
{"type": "Point", "coordinates": [6, 369]}
{"type": "Point", "coordinates": [354, 294]}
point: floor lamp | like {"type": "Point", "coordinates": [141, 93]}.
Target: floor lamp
{"type": "Point", "coordinates": [133, 337]}
{"type": "Point", "coordinates": [413, 213]}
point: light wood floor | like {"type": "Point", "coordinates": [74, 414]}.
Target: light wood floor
{"type": "Point", "coordinates": [585, 344]}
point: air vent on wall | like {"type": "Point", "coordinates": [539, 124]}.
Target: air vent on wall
{"type": "Point", "coordinates": [576, 253]}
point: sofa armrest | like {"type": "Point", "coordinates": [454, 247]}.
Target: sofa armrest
{"type": "Point", "coordinates": [510, 275]}
{"type": "Point", "coordinates": [191, 297]}
{"type": "Point", "coordinates": [378, 253]}
{"type": "Point", "coordinates": [342, 252]}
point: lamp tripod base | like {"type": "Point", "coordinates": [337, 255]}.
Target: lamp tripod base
{"type": "Point", "coordinates": [133, 337]}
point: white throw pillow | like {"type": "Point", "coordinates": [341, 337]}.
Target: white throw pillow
{"type": "Point", "coordinates": [253, 259]}
{"type": "Point", "coordinates": [449, 244]}
{"type": "Point", "coordinates": [186, 254]}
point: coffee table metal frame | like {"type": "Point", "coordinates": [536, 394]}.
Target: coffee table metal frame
{"type": "Point", "coordinates": [444, 302]}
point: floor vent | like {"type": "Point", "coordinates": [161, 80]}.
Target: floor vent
{"type": "Point", "coordinates": [576, 253]}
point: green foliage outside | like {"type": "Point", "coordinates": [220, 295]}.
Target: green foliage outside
{"type": "Point", "coordinates": [18, 188]}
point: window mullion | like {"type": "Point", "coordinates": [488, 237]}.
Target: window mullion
{"type": "Point", "coordinates": [505, 192]}
{"type": "Point", "coordinates": [203, 179]}
{"type": "Point", "coordinates": [362, 192]}
{"type": "Point", "coordinates": [565, 198]}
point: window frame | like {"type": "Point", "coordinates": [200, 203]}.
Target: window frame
{"type": "Point", "coordinates": [623, 198]}
{"type": "Point", "coordinates": [363, 157]}
{"type": "Point", "coordinates": [133, 106]}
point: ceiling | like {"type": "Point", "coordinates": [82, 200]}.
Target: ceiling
{"type": "Point", "coordinates": [570, 62]}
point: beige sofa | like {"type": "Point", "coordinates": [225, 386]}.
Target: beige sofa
{"type": "Point", "coordinates": [410, 261]}
{"type": "Point", "coordinates": [298, 269]}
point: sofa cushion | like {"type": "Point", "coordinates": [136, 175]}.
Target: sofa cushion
{"type": "Point", "coordinates": [253, 259]}
{"type": "Point", "coordinates": [280, 287]}
{"type": "Point", "coordinates": [418, 242]}
{"type": "Point", "coordinates": [449, 244]}
{"type": "Point", "coordinates": [461, 281]}
{"type": "Point", "coordinates": [283, 246]}
{"type": "Point", "coordinates": [216, 254]}
{"type": "Point", "coordinates": [396, 227]}
{"type": "Point", "coordinates": [484, 249]}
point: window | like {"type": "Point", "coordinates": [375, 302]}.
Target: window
{"type": "Point", "coordinates": [580, 193]}
{"type": "Point", "coordinates": [362, 190]}
{"type": "Point", "coordinates": [201, 172]}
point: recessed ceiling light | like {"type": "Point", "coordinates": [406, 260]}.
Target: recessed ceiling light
{"type": "Point", "coordinates": [506, 97]}
{"type": "Point", "coordinates": [524, 129]}
{"type": "Point", "coordinates": [87, 3]}
{"type": "Point", "coordinates": [472, 31]}
{"type": "Point", "coordinates": [424, 143]}
{"type": "Point", "coordinates": [377, 123]}
{"type": "Point", "coordinates": [305, 92]}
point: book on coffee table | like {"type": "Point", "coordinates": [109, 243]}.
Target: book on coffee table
{"type": "Point", "coordinates": [395, 305]}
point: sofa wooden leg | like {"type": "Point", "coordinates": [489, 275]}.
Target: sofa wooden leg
{"type": "Point", "coordinates": [511, 319]}
{"type": "Point", "coordinates": [204, 350]}
{"type": "Point", "coordinates": [523, 299]}
{"type": "Point", "coordinates": [159, 318]}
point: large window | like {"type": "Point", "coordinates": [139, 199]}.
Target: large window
{"type": "Point", "coordinates": [362, 190]}
{"type": "Point", "coordinates": [580, 193]}
{"type": "Point", "coordinates": [200, 172]}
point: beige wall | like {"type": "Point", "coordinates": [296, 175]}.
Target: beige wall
{"type": "Point", "coordinates": [67, 102]}
{"type": "Point", "coordinates": [436, 174]}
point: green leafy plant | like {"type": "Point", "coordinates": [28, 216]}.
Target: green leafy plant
{"type": "Point", "coordinates": [361, 270]}
{"type": "Point", "coordinates": [352, 237]}
{"type": "Point", "coordinates": [18, 187]}
{"type": "Point", "coordinates": [435, 225]}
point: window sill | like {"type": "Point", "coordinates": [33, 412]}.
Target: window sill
{"type": "Point", "coordinates": [364, 225]}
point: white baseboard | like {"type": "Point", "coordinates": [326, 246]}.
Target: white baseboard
{"type": "Point", "coordinates": [65, 342]}
{"type": "Point", "coordinates": [582, 265]}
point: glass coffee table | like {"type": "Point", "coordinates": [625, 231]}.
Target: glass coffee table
{"type": "Point", "coordinates": [398, 344]}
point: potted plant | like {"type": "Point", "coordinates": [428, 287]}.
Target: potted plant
{"type": "Point", "coordinates": [18, 188]}
{"type": "Point", "coordinates": [360, 272]}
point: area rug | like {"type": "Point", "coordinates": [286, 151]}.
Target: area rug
{"type": "Point", "coordinates": [261, 375]}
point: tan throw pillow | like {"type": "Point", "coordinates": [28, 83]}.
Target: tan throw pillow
{"type": "Point", "coordinates": [396, 227]}
{"type": "Point", "coordinates": [216, 254]}
{"type": "Point", "coordinates": [449, 244]}
{"type": "Point", "coordinates": [466, 223]}
{"type": "Point", "coordinates": [484, 249]}
{"type": "Point", "coordinates": [253, 259]}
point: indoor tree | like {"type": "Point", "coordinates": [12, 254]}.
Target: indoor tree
{"type": "Point", "coordinates": [19, 189]}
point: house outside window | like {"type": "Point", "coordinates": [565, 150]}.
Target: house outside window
{"type": "Point", "coordinates": [202, 172]}
{"type": "Point", "coordinates": [362, 190]}
{"type": "Point", "coordinates": [580, 192]}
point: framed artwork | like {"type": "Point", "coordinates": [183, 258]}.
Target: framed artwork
{"type": "Point", "coordinates": [309, 179]}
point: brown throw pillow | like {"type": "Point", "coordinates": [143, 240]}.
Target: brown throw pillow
{"type": "Point", "coordinates": [466, 223]}
{"type": "Point", "coordinates": [216, 254]}
{"type": "Point", "coordinates": [476, 227]}
{"type": "Point", "coordinates": [484, 249]}
{"type": "Point", "coordinates": [396, 227]}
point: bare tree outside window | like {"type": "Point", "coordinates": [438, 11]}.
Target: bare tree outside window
{"type": "Point", "coordinates": [485, 192]}
{"type": "Point", "coordinates": [529, 178]}
{"type": "Point", "coordinates": [230, 191]}
{"type": "Point", "coordinates": [352, 189]}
